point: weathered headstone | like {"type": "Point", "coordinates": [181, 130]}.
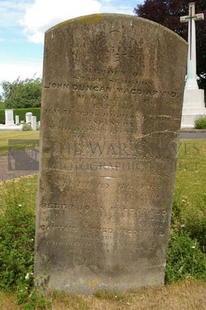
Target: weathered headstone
{"type": "Point", "coordinates": [112, 100]}
{"type": "Point", "coordinates": [9, 117]}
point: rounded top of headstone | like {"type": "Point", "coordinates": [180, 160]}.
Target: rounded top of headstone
{"type": "Point", "coordinates": [98, 18]}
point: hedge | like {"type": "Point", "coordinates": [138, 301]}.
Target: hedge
{"type": "Point", "coordinates": [21, 113]}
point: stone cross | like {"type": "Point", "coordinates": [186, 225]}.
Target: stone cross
{"type": "Point", "coordinates": [191, 62]}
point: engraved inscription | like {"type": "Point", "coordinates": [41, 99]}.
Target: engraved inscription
{"type": "Point", "coordinates": [121, 89]}
{"type": "Point", "coordinates": [110, 116]}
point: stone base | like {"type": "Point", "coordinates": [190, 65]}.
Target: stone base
{"type": "Point", "coordinates": [193, 107]}
{"type": "Point", "coordinates": [190, 115]}
{"type": "Point", "coordinates": [84, 280]}
{"type": "Point", "coordinates": [11, 127]}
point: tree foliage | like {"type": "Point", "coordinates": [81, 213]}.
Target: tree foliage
{"type": "Point", "coordinates": [1, 102]}
{"type": "Point", "coordinates": [22, 93]}
{"type": "Point", "coordinates": [167, 13]}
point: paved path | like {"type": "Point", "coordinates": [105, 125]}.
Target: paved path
{"type": "Point", "coordinates": [9, 173]}
{"type": "Point", "coordinates": [6, 173]}
{"type": "Point", "coordinates": [192, 134]}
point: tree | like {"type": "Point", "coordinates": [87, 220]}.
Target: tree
{"type": "Point", "coordinates": [167, 13]}
{"type": "Point", "coordinates": [1, 102]}
{"type": "Point", "coordinates": [22, 93]}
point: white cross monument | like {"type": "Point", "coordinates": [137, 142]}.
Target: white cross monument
{"type": "Point", "coordinates": [193, 104]}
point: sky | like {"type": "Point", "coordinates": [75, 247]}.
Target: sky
{"type": "Point", "coordinates": [24, 22]}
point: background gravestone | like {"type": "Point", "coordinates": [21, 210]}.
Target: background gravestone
{"type": "Point", "coordinates": [28, 117]}
{"type": "Point", "coordinates": [112, 101]}
{"type": "Point", "coordinates": [9, 117]}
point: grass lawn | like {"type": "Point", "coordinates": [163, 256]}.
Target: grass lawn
{"type": "Point", "coordinates": [9, 135]}
{"type": "Point", "coordinates": [191, 170]}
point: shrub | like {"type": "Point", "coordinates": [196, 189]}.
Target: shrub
{"type": "Point", "coordinates": [17, 231]}
{"type": "Point", "coordinates": [26, 127]}
{"type": "Point", "coordinates": [195, 222]}
{"type": "Point", "coordinates": [190, 219]}
{"type": "Point", "coordinates": [16, 242]}
{"type": "Point", "coordinates": [200, 122]}
{"type": "Point", "coordinates": [185, 259]}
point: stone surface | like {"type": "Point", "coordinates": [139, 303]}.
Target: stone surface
{"type": "Point", "coordinates": [193, 107]}
{"type": "Point", "coordinates": [28, 117]}
{"type": "Point", "coordinates": [9, 117]}
{"type": "Point", "coordinates": [193, 101]}
{"type": "Point", "coordinates": [11, 127]}
{"type": "Point", "coordinates": [17, 119]}
{"type": "Point", "coordinates": [111, 111]}
{"type": "Point", "coordinates": [33, 123]}
{"type": "Point", "coordinates": [191, 82]}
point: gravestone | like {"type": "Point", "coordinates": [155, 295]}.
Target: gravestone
{"type": "Point", "coordinates": [28, 117]}
{"type": "Point", "coordinates": [9, 122]}
{"type": "Point", "coordinates": [111, 111]}
{"type": "Point", "coordinates": [33, 122]}
{"type": "Point", "coordinates": [16, 119]}
{"type": "Point", "coordinates": [9, 117]}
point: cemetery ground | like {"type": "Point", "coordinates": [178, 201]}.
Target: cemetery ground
{"type": "Point", "coordinates": [186, 264]}
{"type": "Point", "coordinates": [180, 296]}
{"type": "Point", "coordinates": [9, 135]}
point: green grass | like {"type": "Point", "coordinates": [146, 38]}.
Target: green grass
{"type": "Point", "coordinates": [21, 191]}
{"type": "Point", "coordinates": [191, 170]}
{"type": "Point", "coordinates": [9, 135]}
